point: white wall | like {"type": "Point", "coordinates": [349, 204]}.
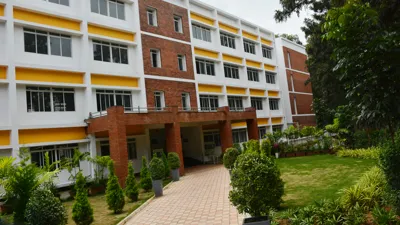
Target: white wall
{"type": "Point", "coordinates": [4, 112]}
{"type": "Point", "coordinates": [193, 147]}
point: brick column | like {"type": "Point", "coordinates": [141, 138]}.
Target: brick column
{"type": "Point", "coordinates": [252, 129]}
{"type": "Point", "coordinates": [118, 145]}
{"type": "Point", "coordinates": [174, 142]}
{"type": "Point", "coordinates": [225, 131]}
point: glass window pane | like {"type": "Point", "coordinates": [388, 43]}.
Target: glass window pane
{"type": "Point", "coordinates": [94, 6]}
{"type": "Point", "coordinates": [128, 102]}
{"type": "Point", "coordinates": [47, 102]}
{"type": "Point", "coordinates": [69, 101]}
{"type": "Point", "coordinates": [103, 7]}
{"type": "Point", "coordinates": [30, 42]}
{"type": "Point", "coordinates": [64, 2]}
{"type": "Point", "coordinates": [66, 47]}
{"type": "Point", "coordinates": [41, 44]}
{"type": "Point", "coordinates": [97, 52]}
{"type": "Point", "coordinates": [119, 100]}
{"type": "Point", "coordinates": [121, 11]}
{"type": "Point", "coordinates": [124, 56]}
{"type": "Point", "coordinates": [106, 53]}
{"type": "Point", "coordinates": [55, 45]}
{"type": "Point", "coordinates": [113, 9]}
{"type": "Point", "coordinates": [35, 101]}
{"type": "Point", "coordinates": [115, 55]}
{"type": "Point", "coordinates": [58, 102]}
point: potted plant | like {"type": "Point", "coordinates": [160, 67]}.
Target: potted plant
{"type": "Point", "coordinates": [156, 168]}
{"type": "Point", "coordinates": [174, 164]}
{"type": "Point", "coordinates": [230, 157]}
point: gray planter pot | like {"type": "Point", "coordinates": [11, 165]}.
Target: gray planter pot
{"type": "Point", "coordinates": [175, 174]}
{"type": "Point", "coordinates": [262, 220]}
{"type": "Point", "coordinates": [157, 188]}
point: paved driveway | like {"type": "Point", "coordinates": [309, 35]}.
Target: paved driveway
{"type": "Point", "coordinates": [200, 197]}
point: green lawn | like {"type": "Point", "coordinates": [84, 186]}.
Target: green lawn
{"type": "Point", "coordinates": [312, 178]}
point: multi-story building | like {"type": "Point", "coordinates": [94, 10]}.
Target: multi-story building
{"type": "Point", "coordinates": [130, 78]}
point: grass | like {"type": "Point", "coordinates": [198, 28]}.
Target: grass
{"type": "Point", "coordinates": [312, 178]}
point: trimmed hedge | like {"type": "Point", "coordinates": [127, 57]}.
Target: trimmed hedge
{"type": "Point", "coordinates": [368, 153]}
{"type": "Point", "coordinates": [174, 161]}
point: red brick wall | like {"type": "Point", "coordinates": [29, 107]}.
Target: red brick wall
{"type": "Point", "coordinates": [299, 80]}
{"type": "Point", "coordinates": [172, 92]}
{"type": "Point", "coordinates": [305, 120]}
{"type": "Point", "coordinates": [169, 51]}
{"type": "Point", "coordinates": [165, 19]}
{"type": "Point", "coordinates": [303, 103]}
{"type": "Point", "coordinates": [297, 59]}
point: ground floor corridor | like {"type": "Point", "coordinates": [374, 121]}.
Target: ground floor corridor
{"type": "Point", "coordinates": [200, 197]}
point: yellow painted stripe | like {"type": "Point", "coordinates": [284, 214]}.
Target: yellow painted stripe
{"type": "Point", "coordinates": [201, 18]}
{"type": "Point", "coordinates": [276, 120]}
{"type": "Point", "coordinates": [253, 63]}
{"type": "Point", "coordinates": [35, 17]}
{"type": "Point", "coordinates": [1, 10]}
{"type": "Point", "coordinates": [255, 92]}
{"type": "Point", "coordinates": [236, 90]}
{"type": "Point", "coordinates": [269, 67]}
{"type": "Point", "coordinates": [239, 124]}
{"type": "Point", "coordinates": [3, 72]}
{"type": "Point", "coordinates": [233, 59]}
{"type": "Point", "coordinates": [112, 33]}
{"type": "Point", "coordinates": [206, 53]}
{"type": "Point", "coordinates": [51, 135]}
{"type": "Point", "coordinates": [249, 35]}
{"type": "Point", "coordinates": [209, 88]}
{"type": "Point", "coordinates": [262, 121]}
{"type": "Point", "coordinates": [4, 137]}
{"type": "Point", "coordinates": [228, 28]}
{"type": "Point", "coordinates": [273, 94]}
{"type": "Point", "coordinates": [110, 80]}
{"type": "Point", "coordinates": [41, 75]}
{"type": "Point", "coordinates": [266, 42]}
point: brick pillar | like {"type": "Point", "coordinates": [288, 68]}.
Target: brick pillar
{"type": "Point", "coordinates": [252, 129]}
{"type": "Point", "coordinates": [174, 142]}
{"type": "Point", "coordinates": [118, 145]}
{"type": "Point", "coordinates": [225, 131]}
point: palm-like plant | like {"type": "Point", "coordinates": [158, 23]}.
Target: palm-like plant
{"type": "Point", "coordinates": [73, 164]}
{"type": "Point", "coordinates": [101, 163]}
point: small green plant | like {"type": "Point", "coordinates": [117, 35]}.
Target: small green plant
{"type": "Point", "coordinates": [266, 147]}
{"type": "Point", "coordinates": [166, 165]}
{"type": "Point", "coordinates": [230, 157]}
{"type": "Point", "coordinates": [383, 216]}
{"type": "Point", "coordinates": [145, 177]}
{"type": "Point", "coordinates": [156, 168]}
{"type": "Point", "coordinates": [101, 163]}
{"type": "Point", "coordinates": [114, 193]}
{"type": "Point", "coordinates": [45, 209]}
{"type": "Point", "coordinates": [174, 161]}
{"type": "Point", "coordinates": [75, 162]}
{"type": "Point", "coordinates": [82, 212]}
{"type": "Point", "coordinates": [131, 189]}
{"type": "Point", "coordinates": [253, 145]}
{"type": "Point", "coordinates": [369, 153]}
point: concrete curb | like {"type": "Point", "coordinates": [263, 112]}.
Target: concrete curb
{"type": "Point", "coordinates": [125, 220]}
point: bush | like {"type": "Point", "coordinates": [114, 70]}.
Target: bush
{"type": "Point", "coordinates": [307, 131]}
{"type": "Point", "coordinates": [145, 177]}
{"type": "Point", "coordinates": [114, 194]}
{"type": "Point", "coordinates": [131, 189]}
{"type": "Point", "coordinates": [369, 153]}
{"type": "Point", "coordinates": [82, 212]}
{"type": "Point", "coordinates": [256, 184]}
{"type": "Point", "coordinates": [383, 216]}
{"type": "Point", "coordinates": [174, 161]}
{"type": "Point", "coordinates": [361, 139]}
{"type": "Point", "coordinates": [156, 168]}
{"type": "Point", "coordinates": [230, 157]}
{"type": "Point", "coordinates": [252, 145]}
{"type": "Point", "coordinates": [166, 165]}
{"type": "Point", "coordinates": [45, 209]}
{"type": "Point", "coordinates": [266, 147]}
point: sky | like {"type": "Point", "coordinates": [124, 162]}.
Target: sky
{"type": "Point", "coordinates": [261, 13]}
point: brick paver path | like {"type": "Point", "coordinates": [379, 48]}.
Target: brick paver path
{"type": "Point", "coordinates": [200, 197]}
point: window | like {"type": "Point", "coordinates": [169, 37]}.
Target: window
{"type": "Point", "coordinates": [249, 47]}
{"type": "Point", "coordinates": [155, 58]}
{"type": "Point", "coordinates": [159, 102]}
{"type": "Point", "coordinates": [56, 153]}
{"type": "Point", "coordinates": [152, 17]}
{"type": "Point", "coordinates": [205, 67]}
{"type": "Point", "coordinates": [110, 52]}
{"type": "Point", "coordinates": [212, 136]}
{"type": "Point", "coordinates": [37, 41]}
{"type": "Point", "coordinates": [257, 103]}
{"type": "Point", "coordinates": [262, 131]}
{"type": "Point", "coordinates": [208, 102]}
{"type": "Point", "coordinates": [231, 71]}
{"type": "Point", "coordinates": [239, 136]}
{"type": "Point", "coordinates": [252, 75]}
{"type": "Point", "coordinates": [132, 152]}
{"type": "Point", "coordinates": [270, 77]}
{"type": "Point", "coordinates": [178, 24]}
{"type": "Point", "coordinates": [235, 103]}
{"type": "Point", "coordinates": [45, 99]}
{"type": "Point", "coordinates": [201, 33]}
{"type": "Point", "coordinates": [267, 52]}
{"type": "Point", "coordinates": [277, 128]}
{"type": "Point", "coordinates": [111, 8]}
{"type": "Point", "coordinates": [182, 62]}
{"type": "Point", "coordinates": [109, 98]}
{"type": "Point", "coordinates": [105, 148]}
{"type": "Point", "coordinates": [228, 41]}
{"type": "Point", "coordinates": [60, 2]}
{"type": "Point", "coordinates": [274, 104]}
{"type": "Point", "coordinates": [185, 101]}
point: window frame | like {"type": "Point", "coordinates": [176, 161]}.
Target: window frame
{"type": "Point", "coordinates": [30, 90]}
{"type": "Point", "coordinates": [49, 36]}
{"type": "Point", "coordinates": [113, 95]}
{"type": "Point", "coordinates": [157, 52]}
{"type": "Point", "coordinates": [228, 40]}
{"type": "Point", "coordinates": [253, 75]}
{"type": "Point", "coordinates": [262, 131]}
{"type": "Point", "coordinates": [201, 33]}
{"type": "Point", "coordinates": [257, 103]}
{"type": "Point", "coordinates": [235, 103]}
{"type": "Point", "coordinates": [214, 135]}
{"type": "Point", "coordinates": [274, 104]}
{"type": "Point", "coordinates": [161, 95]}
{"type": "Point", "coordinates": [178, 20]}
{"type": "Point", "coordinates": [111, 48]}
{"type": "Point", "coordinates": [212, 103]}
{"type": "Point", "coordinates": [270, 77]}
{"type": "Point", "coordinates": [185, 98]}
{"type": "Point", "coordinates": [97, 9]}
{"type": "Point", "coordinates": [55, 153]}
{"type": "Point", "coordinates": [277, 127]}
{"type": "Point", "coordinates": [267, 52]}
{"type": "Point", "coordinates": [206, 65]}
{"type": "Point", "coordinates": [231, 71]}
{"type": "Point", "coordinates": [249, 47]}
{"type": "Point", "coordinates": [182, 60]}
{"type": "Point", "coordinates": [130, 143]}
{"type": "Point", "coordinates": [59, 2]}
{"type": "Point", "coordinates": [152, 12]}
{"type": "Point", "coordinates": [239, 136]}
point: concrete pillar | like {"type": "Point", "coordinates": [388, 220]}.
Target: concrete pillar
{"type": "Point", "coordinates": [225, 131]}
{"type": "Point", "coordinates": [252, 129]}
{"type": "Point", "coordinates": [174, 142]}
{"type": "Point", "coordinates": [118, 144]}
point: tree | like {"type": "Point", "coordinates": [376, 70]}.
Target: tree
{"type": "Point", "coordinates": [131, 189]}
{"type": "Point", "coordinates": [166, 166]}
{"type": "Point", "coordinates": [114, 193]}
{"type": "Point", "coordinates": [82, 212]}
{"type": "Point", "coordinates": [291, 37]}
{"type": "Point", "coordinates": [145, 177]}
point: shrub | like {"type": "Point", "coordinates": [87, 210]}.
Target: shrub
{"type": "Point", "coordinates": [101, 163]}
{"type": "Point", "coordinates": [250, 192]}
{"type": "Point", "coordinates": [166, 165]}
{"type": "Point", "coordinates": [82, 212]}
{"type": "Point", "coordinates": [383, 216]}
{"type": "Point", "coordinates": [253, 145]}
{"type": "Point", "coordinates": [361, 139]}
{"type": "Point", "coordinates": [131, 189]}
{"type": "Point", "coordinates": [369, 153]}
{"type": "Point", "coordinates": [114, 194]}
{"type": "Point", "coordinates": [145, 177]}
{"type": "Point", "coordinates": [266, 147]}
{"type": "Point", "coordinates": [156, 168]}
{"type": "Point", "coordinates": [230, 157]}
{"type": "Point", "coordinates": [174, 161]}
{"type": "Point", "coordinates": [307, 131]}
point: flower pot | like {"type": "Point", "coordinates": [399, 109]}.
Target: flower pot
{"type": "Point", "coordinates": [175, 174]}
{"type": "Point", "coordinates": [157, 187]}
{"type": "Point", "coordinates": [261, 220]}
{"type": "Point", "coordinates": [277, 155]}
{"type": "Point", "coordinates": [96, 189]}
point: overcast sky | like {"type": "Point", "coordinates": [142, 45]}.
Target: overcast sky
{"type": "Point", "coordinates": [261, 12]}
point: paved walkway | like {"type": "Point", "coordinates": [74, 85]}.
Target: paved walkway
{"type": "Point", "coordinates": [200, 197]}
